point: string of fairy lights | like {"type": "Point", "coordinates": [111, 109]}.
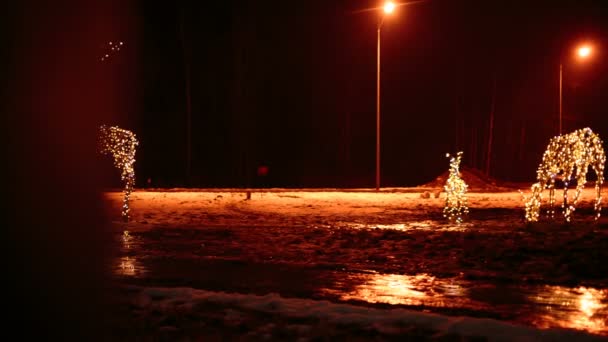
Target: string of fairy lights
{"type": "Point", "coordinates": [110, 49]}
{"type": "Point", "coordinates": [568, 157]}
{"type": "Point", "coordinates": [121, 144]}
{"type": "Point", "coordinates": [456, 191]}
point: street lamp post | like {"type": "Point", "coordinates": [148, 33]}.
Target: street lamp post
{"type": "Point", "coordinates": [582, 52]}
{"type": "Point", "coordinates": [560, 96]}
{"type": "Point", "coordinates": [388, 8]}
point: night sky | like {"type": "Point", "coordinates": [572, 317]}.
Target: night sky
{"type": "Point", "coordinates": [292, 86]}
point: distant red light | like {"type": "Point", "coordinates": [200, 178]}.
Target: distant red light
{"type": "Point", "coordinates": [263, 170]}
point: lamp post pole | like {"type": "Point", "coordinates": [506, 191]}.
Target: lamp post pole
{"type": "Point", "coordinates": [582, 52]}
{"type": "Point", "coordinates": [378, 114]}
{"type": "Point", "coordinates": [388, 8]}
{"type": "Point", "coordinates": [560, 97]}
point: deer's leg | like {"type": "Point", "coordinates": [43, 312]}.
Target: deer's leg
{"type": "Point", "coordinates": [129, 184]}
{"type": "Point", "coordinates": [551, 211]}
{"type": "Point", "coordinates": [598, 191]}
{"type": "Point", "coordinates": [565, 202]}
{"type": "Point", "coordinates": [570, 209]}
{"type": "Point", "coordinates": [533, 204]}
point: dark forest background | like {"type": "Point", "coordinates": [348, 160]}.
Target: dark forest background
{"type": "Point", "coordinates": [214, 90]}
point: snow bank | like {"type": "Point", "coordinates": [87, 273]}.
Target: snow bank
{"type": "Point", "coordinates": [386, 322]}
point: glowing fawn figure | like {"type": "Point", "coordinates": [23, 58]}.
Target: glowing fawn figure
{"type": "Point", "coordinates": [456, 192]}
{"type": "Point", "coordinates": [568, 157]}
{"type": "Point", "coordinates": [121, 143]}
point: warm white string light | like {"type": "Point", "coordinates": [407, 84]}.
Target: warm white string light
{"type": "Point", "coordinates": [121, 143]}
{"type": "Point", "coordinates": [111, 49]}
{"type": "Point", "coordinates": [568, 156]}
{"type": "Point", "coordinates": [456, 192]}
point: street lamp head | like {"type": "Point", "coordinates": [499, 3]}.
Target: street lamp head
{"type": "Point", "coordinates": [389, 7]}
{"type": "Point", "coordinates": [583, 51]}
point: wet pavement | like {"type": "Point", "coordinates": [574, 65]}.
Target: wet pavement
{"type": "Point", "coordinates": [145, 260]}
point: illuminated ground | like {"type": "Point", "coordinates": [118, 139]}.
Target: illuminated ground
{"type": "Point", "coordinates": [382, 250]}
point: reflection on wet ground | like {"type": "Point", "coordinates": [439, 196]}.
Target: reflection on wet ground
{"type": "Point", "coordinates": [581, 308]}
{"type": "Point", "coordinates": [542, 306]}
{"type": "Point", "coordinates": [492, 220]}
{"type": "Point", "coordinates": [416, 225]}
{"type": "Point", "coordinates": [128, 265]}
{"type": "Point", "coordinates": [420, 289]}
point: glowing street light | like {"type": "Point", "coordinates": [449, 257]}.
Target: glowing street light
{"type": "Point", "coordinates": [582, 52]}
{"type": "Point", "coordinates": [388, 8]}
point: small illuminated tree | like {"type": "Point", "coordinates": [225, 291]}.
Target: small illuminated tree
{"type": "Point", "coordinates": [121, 143]}
{"type": "Point", "coordinates": [568, 157]}
{"type": "Point", "coordinates": [456, 192]}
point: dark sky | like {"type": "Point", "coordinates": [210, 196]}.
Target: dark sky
{"type": "Point", "coordinates": [292, 85]}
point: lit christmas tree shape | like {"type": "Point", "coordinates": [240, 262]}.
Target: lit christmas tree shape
{"type": "Point", "coordinates": [121, 143]}
{"type": "Point", "coordinates": [568, 157]}
{"type": "Point", "coordinates": [456, 192]}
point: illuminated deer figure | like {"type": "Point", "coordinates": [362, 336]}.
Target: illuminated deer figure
{"type": "Point", "coordinates": [121, 143]}
{"type": "Point", "coordinates": [456, 191]}
{"type": "Point", "coordinates": [568, 156]}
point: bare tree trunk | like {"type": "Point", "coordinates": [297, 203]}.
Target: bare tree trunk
{"type": "Point", "coordinates": [474, 150]}
{"type": "Point", "coordinates": [491, 128]}
{"type": "Point", "coordinates": [457, 123]}
{"type": "Point", "coordinates": [522, 141]}
{"type": "Point", "coordinates": [188, 98]}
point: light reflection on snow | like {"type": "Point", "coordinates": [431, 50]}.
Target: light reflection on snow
{"type": "Point", "coordinates": [126, 239]}
{"type": "Point", "coordinates": [542, 306]}
{"type": "Point", "coordinates": [579, 308]}
{"type": "Point", "coordinates": [129, 266]}
{"type": "Point", "coordinates": [421, 289]}
{"type": "Point", "coordinates": [413, 225]}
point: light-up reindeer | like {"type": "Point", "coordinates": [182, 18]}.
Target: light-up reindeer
{"type": "Point", "coordinates": [568, 157]}
{"type": "Point", "coordinates": [121, 143]}
{"type": "Point", "coordinates": [456, 192]}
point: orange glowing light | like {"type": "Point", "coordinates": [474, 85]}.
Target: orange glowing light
{"type": "Point", "coordinates": [574, 308]}
{"type": "Point", "coordinates": [584, 51]}
{"type": "Point", "coordinates": [404, 290]}
{"type": "Point", "coordinates": [389, 7]}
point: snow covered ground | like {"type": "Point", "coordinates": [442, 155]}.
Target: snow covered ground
{"type": "Point", "coordinates": [180, 312]}
{"type": "Point", "coordinates": [188, 208]}
{"type": "Point", "coordinates": [374, 255]}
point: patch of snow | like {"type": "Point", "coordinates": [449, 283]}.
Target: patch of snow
{"type": "Point", "coordinates": [384, 321]}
